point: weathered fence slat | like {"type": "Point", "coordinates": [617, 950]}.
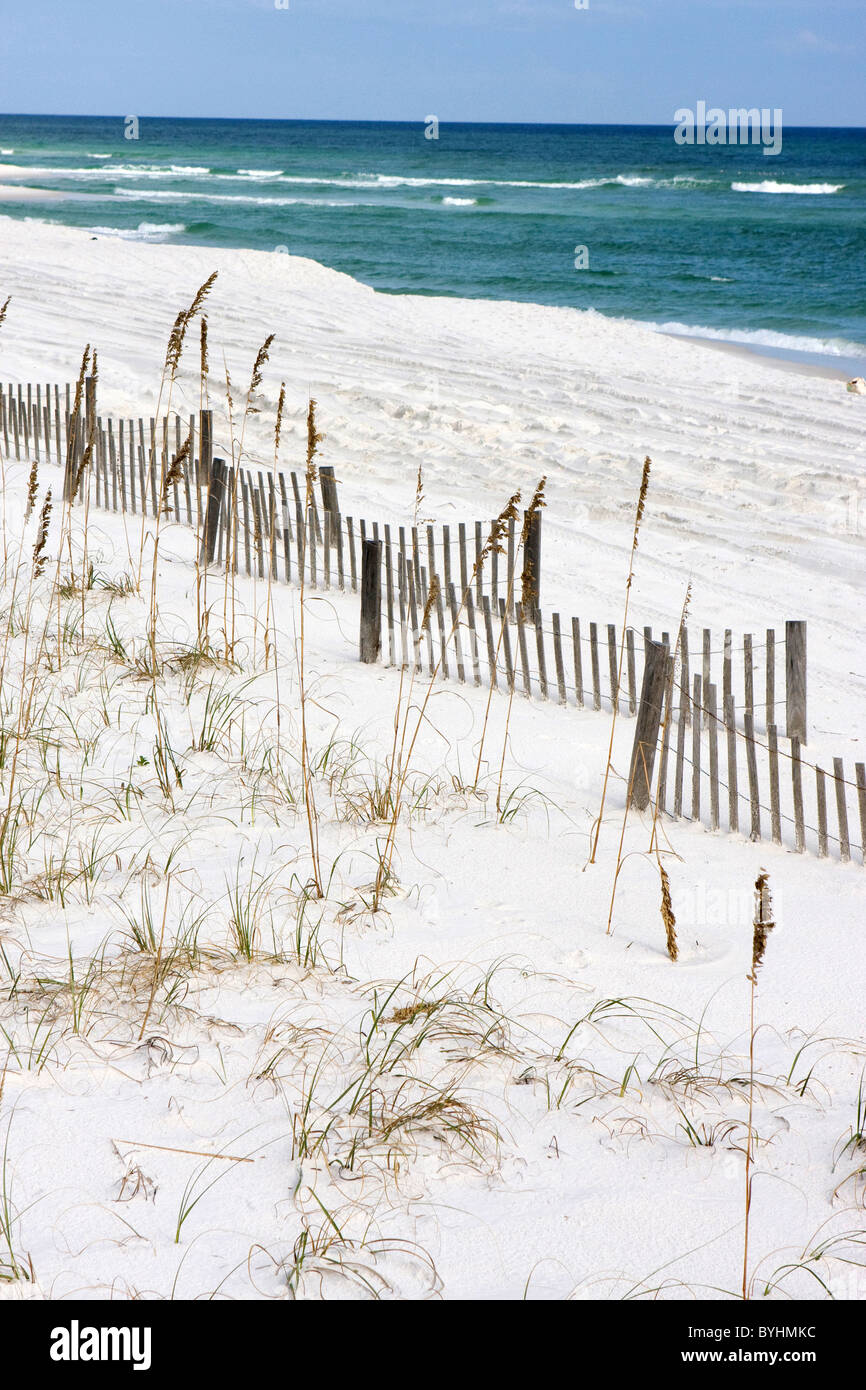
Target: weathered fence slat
{"type": "Point", "coordinates": [371, 601]}
{"type": "Point", "coordinates": [524, 653]}
{"type": "Point", "coordinates": [770, 687]}
{"type": "Point", "coordinates": [795, 679]}
{"type": "Point", "coordinates": [473, 633]}
{"type": "Point", "coordinates": [842, 811]}
{"type": "Point", "coordinates": [593, 655]}
{"type": "Point", "coordinates": [710, 702]}
{"type": "Point", "coordinates": [662, 785]}
{"type": "Point", "coordinates": [775, 800]}
{"type": "Point", "coordinates": [681, 752]}
{"type": "Point", "coordinates": [696, 747]}
{"type": "Point", "coordinates": [389, 597]}
{"type": "Point", "coordinates": [613, 667]}
{"type": "Point", "coordinates": [413, 614]}
{"type": "Point", "coordinates": [748, 676]}
{"type": "Point", "coordinates": [821, 793]}
{"type": "Point", "coordinates": [542, 665]}
{"type": "Point", "coordinates": [648, 721]}
{"type": "Point", "coordinates": [455, 623]}
{"type": "Point", "coordinates": [578, 660]}
{"type": "Point", "coordinates": [860, 777]}
{"type": "Point", "coordinates": [557, 657]}
{"type": "Point", "coordinates": [505, 639]}
{"type": "Point", "coordinates": [752, 768]}
{"type": "Point", "coordinates": [797, 793]}
{"type": "Point", "coordinates": [488, 629]}
{"type": "Point", "coordinates": [443, 643]}
{"type": "Point", "coordinates": [733, 793]}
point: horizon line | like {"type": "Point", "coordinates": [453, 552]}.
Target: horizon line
{"type": "Point", "coordinates": [359, 120]}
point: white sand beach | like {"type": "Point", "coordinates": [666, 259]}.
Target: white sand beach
{"type": "Point", "coordinates": [593, 1091]}
{"type": "Point", "coordinates": [757, 469]}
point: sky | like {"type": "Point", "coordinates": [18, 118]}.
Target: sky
{"type": "Point", "coordinates": [617, 61]}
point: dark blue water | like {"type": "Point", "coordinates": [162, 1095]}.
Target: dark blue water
{"type": "Point", "coordinates": [721, 239]}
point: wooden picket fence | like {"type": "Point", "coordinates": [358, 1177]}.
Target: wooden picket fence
{"type": "Point", "coordinates": [265, 523]}
{"type": "Point", "coordinates": [702, 777]}
{"type": "Point", "coordinates": [486, 626]}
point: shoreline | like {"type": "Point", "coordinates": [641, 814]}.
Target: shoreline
{"type": "Point", "coordinates": [485, 395]}
{"type": "Point", "coordinates": [804, 364]}
{"type": "Point", "coordinates": [10, 193]}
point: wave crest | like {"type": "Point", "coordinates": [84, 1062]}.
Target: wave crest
{"type": "Point", "coordinates": [771, 186]}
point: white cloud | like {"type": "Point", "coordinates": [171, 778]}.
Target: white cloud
{"type": "Point", "coordinates": [807, 41]}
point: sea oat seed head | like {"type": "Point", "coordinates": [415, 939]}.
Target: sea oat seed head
{"type": "Point", "coordinates": [39, 556]}
{"type": "Point", "coordinates": [432, 598]}
{"type": "Point", "coordinates": [32, 485]}
{"type": "Point", "coordinates": [763, 923]}
{"type": "Point", "coordinates": [668, 917]}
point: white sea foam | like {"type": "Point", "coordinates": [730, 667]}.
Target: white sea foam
{"type": "Point", "coordinates": [368, 181]}
{"type": "Point", "coordinates": [116, 171]}
{"type": "Point", "coordinates": [363, 180]}
{"type": "Point", "coordinates": [771, 186]}
{"type": "Point", "coordinates": [179, 196]}
{"type": "Point", "coordinates": [765, 337]}
{"type": "Point", "coordinates": [145, 231]}
{"type": "Point", "coordinates": [97, 156]}
{"type": "Point", "coordinates": [460, 202]}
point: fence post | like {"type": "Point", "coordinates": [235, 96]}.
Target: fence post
{"type": "Point", "coordinates": [795, 679]}
{"type": "Point", "coordinates": [371, 600]}
{"type": "Point", "coordinates": [531, 577]}
{"type": "Point", "coordinates": [216, 487]}
{"type": "Point", "coordinates": [330, 502]}
{"type": "Point", "coordinates": [655, 676]}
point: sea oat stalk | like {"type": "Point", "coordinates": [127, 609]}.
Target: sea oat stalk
{"type": "Point", "coordinates": [641, 504]}
{"type": "Point", "coordinates": [762, 926]}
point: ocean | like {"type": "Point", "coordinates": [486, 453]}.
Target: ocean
{"type": "Point", "coordinates": [718, 241]}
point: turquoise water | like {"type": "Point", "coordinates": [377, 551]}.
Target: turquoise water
{"type": "Point", "coordinates": [720, 240]}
